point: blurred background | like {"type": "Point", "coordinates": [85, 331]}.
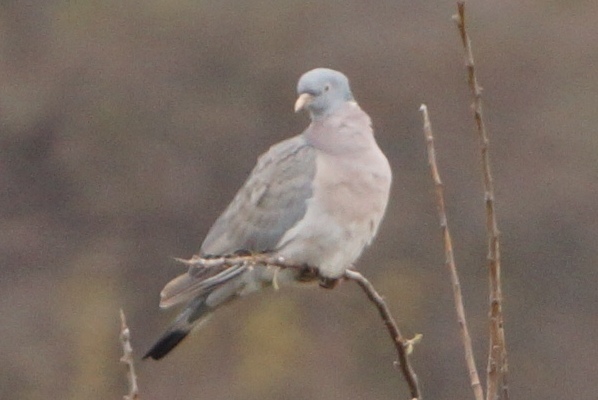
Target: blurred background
{"type": "Point", "coordinates": [126, 127]}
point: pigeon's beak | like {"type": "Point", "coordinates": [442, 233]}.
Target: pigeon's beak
{"type": "Point", "coordinates": [303, 101]}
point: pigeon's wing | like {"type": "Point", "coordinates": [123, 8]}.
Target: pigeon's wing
{"type": "Point", "coordinates": [273, 199]}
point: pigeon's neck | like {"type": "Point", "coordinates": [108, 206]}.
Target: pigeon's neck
{"type": "Point", "coordinates": [316, 113]}
{"type": "Point", "coordinates": [346, 130]}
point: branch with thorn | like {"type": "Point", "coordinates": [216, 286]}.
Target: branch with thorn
{"type": "Point", "coordinates": [403, 346]}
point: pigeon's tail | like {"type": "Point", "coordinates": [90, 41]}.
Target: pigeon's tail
{"type": "Point", "coordinates": [207, 294]}
{"type": "Point", "coordinates": [194, 314]}
{"type": "Point", "coordinates": [204, 289]}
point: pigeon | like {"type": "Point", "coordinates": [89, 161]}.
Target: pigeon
{"type": "Point", "coordinates": [315, 199]}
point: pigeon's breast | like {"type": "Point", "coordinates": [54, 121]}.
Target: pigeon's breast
{"type": "Point", "coordinates": [349, 199]}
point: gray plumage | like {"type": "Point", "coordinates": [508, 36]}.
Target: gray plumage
{"type": "Point", "coordinates": [271, 201]}
{"type": "Point", "coordinates": [316, 199]}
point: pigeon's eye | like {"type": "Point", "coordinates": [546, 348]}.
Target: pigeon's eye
{"type": "Point", "coordinates": [326, 88]}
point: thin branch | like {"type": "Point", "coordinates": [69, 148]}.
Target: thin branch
{"type": "Point", "coordinates": [497, 354]}
{"type": "Point", "coordinates": [127, 358]}
{"type": "Point", "coordinates": [401, 344]}
{"type": "Point", "coordinates": [450, 258]}
{"type": "Point", "coordinates": [239, 262]}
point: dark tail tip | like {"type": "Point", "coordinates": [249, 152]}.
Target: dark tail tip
{"type": "Point", "coordinates": [165, 344]}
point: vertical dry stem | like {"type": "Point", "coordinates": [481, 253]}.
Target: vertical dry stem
{"type": "Point", "coordinates": [127, 358]}
{"type": "Point", "coordinates": [497, 354]}
{"type": "Point", "coordinates": [400, 343]}
{"type": "Point", "coordinates": [450, 258]}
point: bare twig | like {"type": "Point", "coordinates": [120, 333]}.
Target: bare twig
{"type": "Point", "coordinates": [127, 358]}
{"type": "Point", "coordinates": [239, 262]}
{"type": "Point", "coordinates": [497, 354]}
{"type": "Point", "coordinates": [450, 258]}
{"type": "Point", "coordinates": [401, 344]}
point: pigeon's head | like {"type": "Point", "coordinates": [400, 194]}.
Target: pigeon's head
{"type": "Point", "coordinates": [321, 91]}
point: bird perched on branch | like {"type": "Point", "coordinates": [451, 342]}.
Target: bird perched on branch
{"type": "Point", "coordinates": [315, 200]}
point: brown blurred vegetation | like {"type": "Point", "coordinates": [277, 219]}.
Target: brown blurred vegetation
{"type": "Point", "coordinates": [126, 127]}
